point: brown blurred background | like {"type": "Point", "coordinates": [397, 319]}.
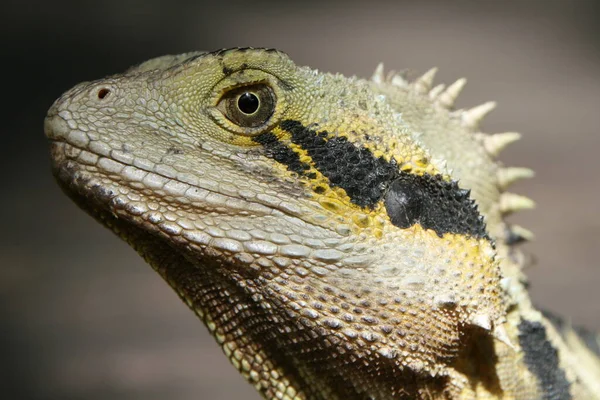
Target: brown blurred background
{"type": "Point", "coordinates": [82, 317]}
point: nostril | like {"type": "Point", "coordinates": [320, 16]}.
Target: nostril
{"type": "Point", "coordinates": [102, 93]}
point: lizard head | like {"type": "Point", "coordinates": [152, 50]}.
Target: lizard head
{"type": "Point", "coordinates": [279, 199]}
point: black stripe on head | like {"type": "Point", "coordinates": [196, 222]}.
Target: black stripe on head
{"type": "Point", "coordinates": [541, 359]}
{"type": "Point", "coordinates": [434, 204]}
{"type": "Point", "coordinates": [409, 199]}
{"type": "Point", "coordinates": [281, 153]}
{"type": "Point", "coordinates": [354, 169]}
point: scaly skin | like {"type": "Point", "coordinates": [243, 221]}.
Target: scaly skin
{"type": "Point", "coordinates": [340, 238]}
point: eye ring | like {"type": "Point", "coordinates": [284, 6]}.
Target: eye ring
{"type": "Point", "coordinates": [248, 106]}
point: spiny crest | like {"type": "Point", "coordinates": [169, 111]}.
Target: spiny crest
{"type": "Point", "coordinates": [511, 202]}
{"type": "Point", "coordinates": [498, 331]}
{"type": "Point", "coordinates": [447, 98]}
{"type": "Point", "coordinates": [495, 143]}
{"type": "Point", "coordinates": [436, 91]}
{"type": "Point", "coordinates": [517, 234]}
{"type": "Point", "coordinates": [509, 175]}
{"type": "Point", "coordinates": [444, 97]}
{"type": "Point", "coordinates": [424, 82]}
{"type": "Point", "coordinates": [378, 76]}
{"type": "Point", "coordinates": [472, 118]}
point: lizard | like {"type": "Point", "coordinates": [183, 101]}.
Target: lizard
{"type": "Point", "coordinates": [340, 238]}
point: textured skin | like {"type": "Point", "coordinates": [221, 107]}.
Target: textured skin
{"type": "Point", "coordinates": [347, 243]}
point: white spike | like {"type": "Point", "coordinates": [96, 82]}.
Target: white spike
{"type": "Point", "coordinates": [506, 284]}
{"type": "Point", "coordinates": [494, 144]}
{"type": "Point", "coordinates": [398, 80]}
{"type": "Point", "coordinates": [447, 98]}
{"type": "Point", "coordinates": [510, 175]}
{"type": "Point", "coordinates": [510, 202]}
{"type": "Point", "coordinates": [501, 335]}
{"type": "Point", "coordinates": [435, 92]}
{"type": "Point", "coordinates": [424, 82]}
{"type": "Point", "coordinates": [471, 118]}
{"type": "Point", "coordinates": [378, 76]}
{"type": "Point", "coordinates": [481, 320]}
{"type": "Point", "coordinates": [519, 234]}
{"type": "Point", "coordinates": [525, 233]}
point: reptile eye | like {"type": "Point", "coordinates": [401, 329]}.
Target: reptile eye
{"type": "Point", "coordinates": [248, 106]}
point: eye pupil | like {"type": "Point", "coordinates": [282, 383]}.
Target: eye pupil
{"type": "Point", "coordinates": [248, 103]}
